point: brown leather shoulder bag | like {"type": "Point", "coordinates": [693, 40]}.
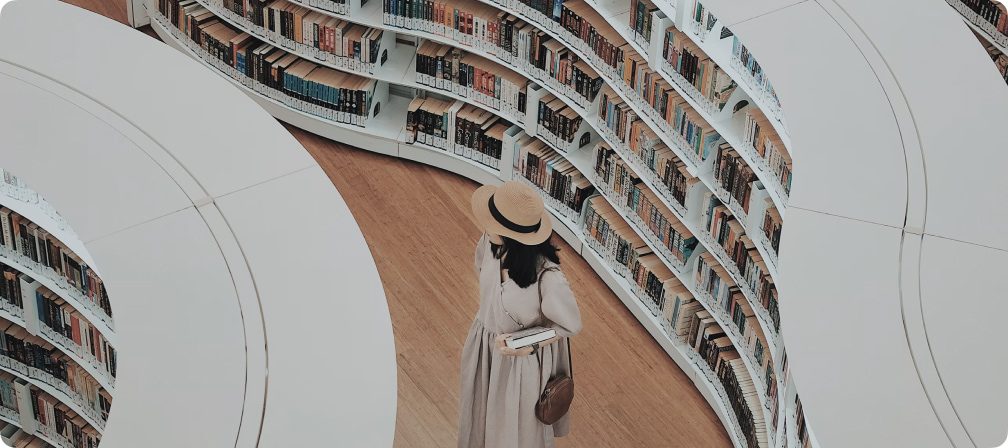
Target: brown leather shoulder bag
{"type": "Point", "coordinates": [558, 394]}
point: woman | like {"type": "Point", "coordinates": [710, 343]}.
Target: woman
{"type": "Point", "coordinates": [515, 260]}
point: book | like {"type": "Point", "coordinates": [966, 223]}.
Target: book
{"type": "Point", "coordinates": [529, 336]}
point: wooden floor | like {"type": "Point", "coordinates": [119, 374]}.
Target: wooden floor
{"type": "Point", "coordinates": [417, 222]}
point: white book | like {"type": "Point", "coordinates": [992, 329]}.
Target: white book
{"type": "Point", "coordinates": [528, 337]}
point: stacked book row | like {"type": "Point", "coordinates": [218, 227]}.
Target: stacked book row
{"type": "Point", "coordinates": [642, 21]}
{"type": "Point", "coordinates": [29, 241]}
{"type": "Point", "coordinates": [319, 35]}
{"type": "Point", "coordinates": [565, 187]}
{"type": "Point", "coordinates": [696, 327]}
{"type": "Point", "coordinates": [772, 225]}
{"type": "Point", "coordinates": [642, 205]}
{"type": "Point", "coordinates": [992, 12]}
{"type": "Point", "coordinates": [734, 177]}
{"type": "Point", "coordinates": [746, 63]}
{"type": "Point", "coordinates": [629, 256]}
{"type": "Point", "coordinates": [67, 325]}
{"type": "Point", "coordinates": [800, 425]}
{"type": "Point", "coordinates": [637, 140]}
{"type": "Point", "coordinates": [36, 359]}
{"type": "Point", "coordinates": [703, 20]}
{"type": "Point", "coordinates": [58, 320]}
{"type": "Point", "coordinates": [447, 68]}
{"type": "Point", "coordinates": [299, 83]}
{"type": "Point", "coordinates": [712, 84]}
{"type": "Point", "coordinates": [723, 298]}
{"type": "Point", "coordinates": [558, 123]}
{"type": "Point", "coordinates": [51, 423]}
{"type": "Point", "coordinates": [767, 149]}
{"type": "Point", "coordinates": [57, 422]}
{"type": "Point", "coordinates": [737, 252]}
{"type": "Point", "coordinates": [660, 291]}
{"type": "Point", "coordinates": [457, 127]}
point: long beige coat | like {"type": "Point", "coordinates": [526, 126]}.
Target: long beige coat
{"type": "Point", "coordinates": [499, 392]}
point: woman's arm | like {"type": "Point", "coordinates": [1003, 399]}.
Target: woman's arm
{"type": "Point", "coordinates": [481, 250]}
{"type": "Point", "coordinates": [559, 305]}
{"type": "Point", "coordinates": [560, 309]}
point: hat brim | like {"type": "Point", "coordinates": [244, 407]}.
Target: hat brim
{"type": "Point", "coordinates": [481, 209]}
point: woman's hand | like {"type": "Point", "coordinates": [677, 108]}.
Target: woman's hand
{"type": "Point", "coordinates": [549, 341]}
{"type": "Point", "coordinates": [508, 351]}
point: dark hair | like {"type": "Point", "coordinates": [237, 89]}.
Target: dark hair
{"type": "Point", "coordinates": [523, 261]}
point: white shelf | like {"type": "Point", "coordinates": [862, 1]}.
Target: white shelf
{"type": "Point", "coordinates": [449, 161]}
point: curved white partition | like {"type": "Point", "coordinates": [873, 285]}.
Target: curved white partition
{"type": "Point", "coordinates": [894, 247]}
{"type": "Point", "coordinates": [229, 330]}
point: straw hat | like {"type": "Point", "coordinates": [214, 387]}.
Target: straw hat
{"type": "Point", "coordinates": [513, 210]}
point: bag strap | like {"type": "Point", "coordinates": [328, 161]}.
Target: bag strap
{"type": "Point", "coordinates": [570, 364]}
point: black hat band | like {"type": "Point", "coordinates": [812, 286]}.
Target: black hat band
{"type": "Point", "coordinates": [507, 223]}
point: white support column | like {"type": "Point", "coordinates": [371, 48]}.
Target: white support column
{"type": "Point", "coordinates": [510, 151]}
{"type": "Point", "coordinates": [660, 22]}
{"type": "Point", "coordinates": [28, 288]}
{"type": "Point", "coordinates": [137, 13]}
{"type": "Point", "coordinates": [386, 49]}
{"type": "Point", "coordinates": [24, 402]}
{"type": "Point", "coordinates": [534, 93]}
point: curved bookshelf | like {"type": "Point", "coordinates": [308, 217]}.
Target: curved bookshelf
{"type": "Point", "coordinates": [371, 12]}
{"type": "Point", "coordinates": [368, 19]}
{"type": "Point", "coordinates": [59, 285]}
{"type": "Point", "coordinates": [392, 130]}
{"type": "Point", "coordinates": [682, 86]}
{"type": "Point", "coordinates": [18, 315]}
{"type": "Point", "coordinates": [684, 357]}
{"type": "Point", "coordinates": [48, 282]}
{"type": "Point", "coordinates": [44, 380]}
{"type": "Point", "coordinates": [48, 436]}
